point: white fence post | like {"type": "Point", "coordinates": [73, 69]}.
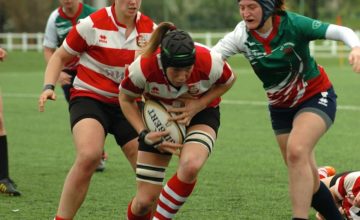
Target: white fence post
{"type": "Point", "coordinates": [24, 41]}
{"type": "Point", "coordinates": [39, 41]}
{"type": "Point", "coordinates": [9, 40]}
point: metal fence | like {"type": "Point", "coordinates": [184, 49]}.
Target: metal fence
{"type": "Point", "coordinates": [33, 41]}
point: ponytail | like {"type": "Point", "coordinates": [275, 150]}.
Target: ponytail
{"type": "Point", "coordinates": [157, 37]}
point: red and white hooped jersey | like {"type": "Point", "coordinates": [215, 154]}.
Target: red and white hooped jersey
{"type": "Point", "coordinates": [349, 184]}
{"type": "Point", "coordinates": [104, 52]}
{"type": "Point", "coordinates": [146, 77]}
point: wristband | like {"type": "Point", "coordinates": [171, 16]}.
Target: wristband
{"type": "Point", "coordinates": [146, 142]}
{"type": "Point", "coordinates": [142, 134]}
{"type": "Point", "coordinates": [49, 86]}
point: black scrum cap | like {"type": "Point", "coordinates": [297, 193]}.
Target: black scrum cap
{"type": "Point", "coordinates": [177, 49]}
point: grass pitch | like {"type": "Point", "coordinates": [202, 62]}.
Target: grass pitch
{"type": "Point", "coordinates": [244, 178]}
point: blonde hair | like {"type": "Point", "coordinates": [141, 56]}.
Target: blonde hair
{"type": "Point", "coordinates": [157, 37]}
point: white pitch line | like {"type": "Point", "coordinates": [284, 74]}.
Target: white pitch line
{"type": "Point", "coordinates": [259, 103]}
{"type": "Point", "coordinates": [223, 101]}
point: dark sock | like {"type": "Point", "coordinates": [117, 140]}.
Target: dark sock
{"type": "Point", "coordinates": [323, 202]}
{"type": "Point", "coordinates": [4, 164]}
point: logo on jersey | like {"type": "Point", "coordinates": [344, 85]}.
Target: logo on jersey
{"type": "Point", "coordinates": [194, 89]}
{"type": "Point", "coordinates": [142, 39]}
{"type": "Point", "coordinates": [102, 39]}
{"type": "Point", "coordinates": [323, 100]}
{"type": "Point", "coordinates": [316, 24]}
{"type": "Point", "coordinates": [115, 75]}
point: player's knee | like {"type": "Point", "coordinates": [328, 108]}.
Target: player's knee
{"type": "Point", "coordinates": [87, 161]}
{"type": "Point", "coordinates": [296, 154]}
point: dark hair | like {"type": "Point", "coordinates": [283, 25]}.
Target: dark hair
{"type": "Point", "coordinates": [279, 6]}
{"type": "Point", "coordinates": [177, 47]}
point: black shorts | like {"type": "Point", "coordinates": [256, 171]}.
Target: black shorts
{"type": "Point", "coordinates": [322, 104]}
{"type": "Point", "coordinates": [209, 116]}
{"type": "Point", "coordinates": [110, 117]}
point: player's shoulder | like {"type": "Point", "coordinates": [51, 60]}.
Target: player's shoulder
{"type": "Point", "coordinates": [144, 23]}
{"type": "Point", "coordinates": [149, 65]}
{"type": "Point", "coordinates": [102, 19]}
{"type": "Point", "coordinates": [54, 14]}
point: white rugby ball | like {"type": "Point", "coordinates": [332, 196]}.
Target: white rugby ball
{"type": "Point", "coordinates": [155, 117]}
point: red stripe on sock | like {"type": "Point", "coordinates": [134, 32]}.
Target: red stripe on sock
{"type": "Point", "coordinates": [61, 218]}
{"type": "Point", "coordinates": [132, 216]}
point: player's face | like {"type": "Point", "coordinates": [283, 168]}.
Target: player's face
{"type": "Point", "coordinates": [69, 4]}
{"type": "Point", "coordinates": [179, 75]}
{"type": "Point", "coordinates": [251, 13]}
{"type": "Point", "coordinates": [128, 8]}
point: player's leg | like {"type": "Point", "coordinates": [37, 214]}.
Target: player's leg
{"type": "Point", "coordinates": [199, 142]}
{"type": "Point", "coordinates": [307, 130]}
{"type": "Point", "coordinates": [89, 140]}
{"type": "Point", "coordinates": [312, 120]}
{"type": "Point", "coordinates": [7, 185]}
{"type": "Point", "coordinates": [88, 122]}
{"type": "Point", "coordinates": [150, 173]}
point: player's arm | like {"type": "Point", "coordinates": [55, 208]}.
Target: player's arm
{"type": "Point", "coordinates": [131, 111]}
{"type": "Point", "coordinates": [48, 52]}
{"type": "Point", "coordinates": [52, 72]}
{"type": "Point", "coordinates": [349, 37]}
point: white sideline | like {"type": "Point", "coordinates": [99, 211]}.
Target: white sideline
{"type": "Point", "coordinates": [224, 101]}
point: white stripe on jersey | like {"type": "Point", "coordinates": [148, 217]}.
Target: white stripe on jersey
{"type": "Point", "coordinates": [349, 184]}
{"type": "Point", "coordinates": [104, 50]}
{"type": "Point", "coordinates": [81, 85]}
{"type": "Point", "coordinates": [115, 73]}
{"type": "Point", "coordinates": [69, 49]}
{"type": "Point", "coordinates": [154, 87]}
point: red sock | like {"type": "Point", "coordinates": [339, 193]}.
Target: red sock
{"type": "Point", "coordinates": [172, 197]}
{"type": "Point", "coordinates": [61, 218]}
{"type": "Point", "coordinates": [131, 216]}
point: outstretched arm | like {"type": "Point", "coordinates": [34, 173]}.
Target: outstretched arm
{"type": "Point", "coordinates": [349, 37]}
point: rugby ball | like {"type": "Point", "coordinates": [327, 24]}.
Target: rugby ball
{"type": "Point", "coordinates": [156, 118]}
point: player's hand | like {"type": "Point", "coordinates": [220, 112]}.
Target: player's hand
{"type": "Point", "coordinates": [45, 95]}
{"type": "Point", "coordinates": [156, 139]}
{"type": "Point", "coordinates": [64, 79]}
{"type": "Point", "coordinates": [170, 147]}
{"type": "Point", "coordinates": [354, 59]}
{"type": "Point", "coordinates": [184, 114]}
{"type": "Point", "coordinates": [2, 54]}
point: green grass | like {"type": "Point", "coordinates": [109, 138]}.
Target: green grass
{"type": "Point", "coordinates": [244, 178]}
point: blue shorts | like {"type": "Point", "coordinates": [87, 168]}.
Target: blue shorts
{"type": "Point", "coordinates": [322, 104]}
